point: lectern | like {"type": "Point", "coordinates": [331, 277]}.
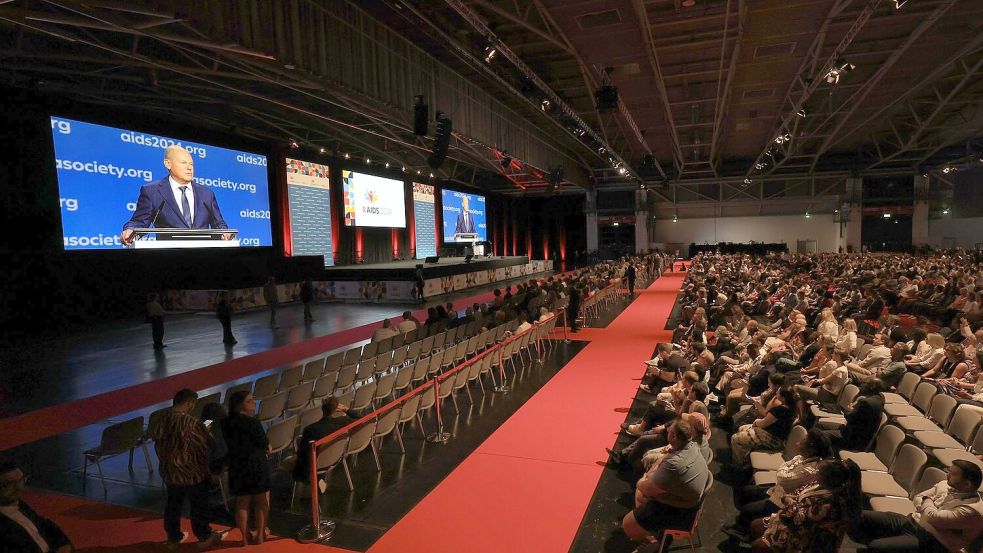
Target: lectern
{"type": "Point", "coordinates": [176, 238]}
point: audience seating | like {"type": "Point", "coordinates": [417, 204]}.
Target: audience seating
{"type": "Point", "coordinates": [903, 505]}
{"type": "Point", "coordinates": [770, 461]}
{"type": "Point", "coordinates": [886, 445]}
{"type": "Point", "coordinates": [920, 402]}
{"type": "Point", "coordinates": [118, 438]}
{"type": "Point", "coordinates": [971, 454]}
{"type": "Point", "coordinates": [901, 479]}
{"type": "Point", "coordinates": [905, 389]}
{"type": "Point", "coordinates": [937, 417]}
{"type": "Point", "coordinates": [957, 434]}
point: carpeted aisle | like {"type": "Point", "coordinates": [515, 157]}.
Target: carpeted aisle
{"type": "Point", "coordinates": [527, 487]}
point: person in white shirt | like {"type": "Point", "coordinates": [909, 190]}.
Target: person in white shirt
{"type": "Point", "coordinates": [408, 324]}
{"type": "Point", "coordinates": [385, 331]}
{"type": "Point", "coordinates": [21, 529]}
{"type": "Point", "coordinates": [876, 359]}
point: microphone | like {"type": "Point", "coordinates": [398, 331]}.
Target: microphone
{"type": "Point", "coordinates": [154, 220]}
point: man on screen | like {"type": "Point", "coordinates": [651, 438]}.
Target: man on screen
{"type": "Point", "coordinates": [175, 201]}
{"type": "Point", "coordinates": [465, 224]}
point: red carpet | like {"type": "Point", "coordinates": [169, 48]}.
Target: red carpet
{"type": "Point", "coordinates": [103, 528]}
{"type": "Point", "coordinates": [50, 421]}
{"type": "Point", "coordinates": [526, 488]}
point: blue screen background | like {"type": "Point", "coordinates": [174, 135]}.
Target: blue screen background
{"type": "Point", "coordinates": [451, 207]}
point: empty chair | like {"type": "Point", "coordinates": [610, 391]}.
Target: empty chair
{"type": "Point", "coordinates": [312, 370]}
{"type": "Point", "coordinates": [433, 367]}
{"type": "Point", "coordinates": [323, 387]}
{"type": "Point", "coordinates": [920, 402]}
{"type": "Point", "coordinates": [451, 338]}
{"type": "Point", "coordinates": [947, 456]}
{"type": "Point", "coordinates": [439, 341]}
{"type": "Point", "coordinates": [266, 386]}
{"type": "Point", "coordinates": [445, 389]}
{"type": "Point", "coordinates": [363, 396]}
{"type": "Point", "coordinates": [413, 352]}
{"type": "Point", "coordinates": [420, 370]}
{"type": "Point", "coordinates": [386, 344]}
{"type": "Point", "coordinates": [281, 435]}
{"type": "Point", "coordinates": [461, 381]}
{"type": "Point", "coordinates": [399, 357]}
{"type": "Point", "coordinates": [886, 445]}
{"type": "Point", "coordinates": [474, 373]}
{"type": "Point", "coordinates": [404, 377]}
{"type": "Point", "coordinates": [291, 376]}
{"type": "Point", "coordinates": [385, 425]}
{"type": "Point", "coordinates": [767, 460]}
{"type": "Point", "coordinates": [229, 392]}
{"type": "Point", "coordinates": [346, 398]}
{"type": "Point", "coordinates": [203, 401]}
{"type": "Point", "coordinates": [846, 397]}
{"type": "Point", "coordinates": [447, 360]}
{"type": "Point", "coordinates": [118, 438]}
{"type": "Point", "coordinates": [333, 362]}
{"type": "Point", "coordinates": [427, 401]}
{"type": "Point", "coordinates": [905, 389]}
{"type": "Point", "coordinates": [407, 412]}
{"type": "Point", "coordinates": [272, 407]}
{"type": "Point", "coordinates": [346, 378]}
{"type": "Point", "coordinates": [937, 418]}
{"type": "Point", "coordinates": [957, 434]}
{"type": "Point", "coordinates": [426, 348]}
{"type": "Point", "coordinates": [903, 505]}
{"type": "Point", "coordinates": [905, 470]}
{"type": "Point", "coordinates": [366, 369]}
{"type": "Point", "coordinates": [384, 389]}
{"type": "Point", "coordinates": [361, 439]}
{"type": "Point", "coordinates": [383, 362]}
{"type": "Point", "coordinates": [352, 356]}
{"type": "Point", "coordinates": [298, 398]}
{"type": "Point", "coordinates": [460, 352]}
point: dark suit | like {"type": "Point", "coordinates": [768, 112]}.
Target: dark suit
{"type": "Point", "coordinates": [157, 206]}
{"type": "Point", "coordinates": [861, 424]}
{"type": "Point", "coordinates": [315, 431]}
{"type": "Point", "coordinates": [465, 223]}
{"type": "Point", "coordinates": [17, 540]}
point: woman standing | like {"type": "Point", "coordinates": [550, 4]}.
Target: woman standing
{"type": "Point", "coordinates": [249, 466]}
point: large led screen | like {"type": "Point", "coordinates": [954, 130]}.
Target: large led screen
{"type": "Point", "coordinates": [112, 181]}
{"type": "Point", "coordinates": [424, 220]}
{"type": "Point", "coordinates": [464, 217]}
{"type": "Point", "coordinates": [309, 197]}
{"type": "Point", "coordinates": [372, 201]}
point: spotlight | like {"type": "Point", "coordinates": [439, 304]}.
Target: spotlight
{"type": "Point", "coordinates": [886, 215]}
{"type": "Point", "coordinates": [387, 165]}
{"type": "Point", "coordinates": [368, 161]}
{"type": "Point", "coordinates": [747, 181]}
{"type": "Point", "coordinates": [642, 186]}
{"type": "Point", "coordinates": [674, 219]}
{"type": "Point", "coordinates": [431, 175]}
{"type": "Point", "coordinates": [783, 138]}
{"type": "Point", "coordinates": [417, 171]}
{"type": "Point", "coordinates": [945, 211]}
{"type": "Point", "coordinates": [622, 171]}
{"type": "Point", "coordinates": [759, 166]}
{"type": "Point", "coordinates": [580, 132]}
{"type": "Point", "coordinates": [614, 224]}
{"type": "Point", "coordinates": [602, 150]}
{"type": "Point", "coordinates": [808, 216]}
{"type": "Point", "coordinates": [947, 170]}
{"type": "Point", "coordinates": [322, 150]}
{"type": "Point", "coordinates": [404, 168]}
{"type": "Point", "coordinates": [490, 52]}
{"type": "Point", "coordinates": [801, 113]}
{"type": "Point", "coordinates": [839, 69]}
{"type": "Point", "coordinates": [293, 144]}
{"type": "Point", "coordinates": [545, 105]}
{"type": "Point", "coordinates": [348, 156]}
{"type": "Point", "coordinates": [899, 3]}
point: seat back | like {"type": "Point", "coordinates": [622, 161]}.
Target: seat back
{"type": "Point", "coordinates": [346, 377]}
{"type": "Point", "coordinates": [266, 386]}
{"type": "Point", "coordinates": [346, 398]}
{"type": "Point", "coordinates": [203, 401]}
{"type": "Point", "coordinates": [908, 465]}
{"type": "Point", "coordinates": [281, 434]}
{"type": "Point", "coordinates": [385, 345]}
{"type": "Point", "coordinates": [387, 422]}
{"type": "Point", "coordinates": [943, 407]}
{"type": "Point", "coordinates": [795, 441]}
{"type": "Point", "coordinates": [408, 409]}
{"type": "Point", "coordinates": [272, 407]}
{"type": "Point", "coordinates": [312, 370]}
{"type": "Point", "coordinates": [352, 356]}
{"type": "Point", "coordinates": [231, 390]}
{"type": "Point", "coordinates": [361, 438]}
{"type": "Point", "coordinates": [399, 341]}
{"type": "Point", "coordinates": [120, 437]}
{"type": "Point", "coordinates": [404, 377]}
{"type": "Point", "coordinates": [370, 350]}
{"type": "Point", "coordinates": [399, 357]}
{"type": "Point", "coordinates": [323, 387]}
{"type": "Point", "coordinates": [907, 385]}
{"type": "Point", "coordinates": [298, 397]}
{"type": "Point", "coordinates": [922, 398]}
{"type": "Point", "coordinates": [331, 453]}
{"type": "Point", "coordinates": [291, 377]}
{"type": "Point", "coordinates": [334, 361]}
{"type": "Point", "coordinates": [154, 420]}
{"type": "Point", "coordinates": [308, 417]}
{"type": "Point", "coordinates": [929, 479]}
{"type": "Point", "coordinates": [439, 339]}
{"type": "Point", "coordinates": [420, 369]}
{"type": "Point", "coordinates": [385, 386]}
{"type": "Point", "coordinates": [889, 440]}
{"type": "Point", "coordinates": [414, 350]}
{"type": "Point", "coordinates": [428, 399]}
{"type": "Point", "coordinates": [364, 396]}
{"type": "Point", "coordinates": [366, 369]}
{"type": "Point", "coordinates": [446, 387]}
{"type": "Point", "coordinates": [427, 346]}
{"type": "Point", "coordinates": [847, 395]}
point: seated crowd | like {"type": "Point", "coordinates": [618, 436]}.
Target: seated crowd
{"type": "Point", "coordinates": [802, 360]}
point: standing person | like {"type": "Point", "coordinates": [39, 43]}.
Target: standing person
{"type": "Point", "coordinates": [155, 314]}
{"type": "Point", "coordinates": [419, 283]}
{"type": "Point", "coordinates": [573, 308]}
{"type": "Point", "coordinates": [272, 299]}
{"type": "Point", "coordinates": [23, 530]}
{"type": "Point", "coordinates": [307, 297]}
{"type": "Point", "coordinates": [630, 277]}
{"type": "Point", "coordinates": [223, 310]}
{"type": "Point", "coordinates": [182, 443]}
{"type": "Point", "coordinates": [249, 466]}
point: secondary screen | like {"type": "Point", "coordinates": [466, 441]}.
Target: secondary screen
{"type": "Point", "coordinates": [424, 217]}
{"type": "Point", "coordinates": [464, 216]}
{"type": "Point", "coordinates": [309, 194]}
{"type": "Point", "coordinates": [111, 180]}
{"type": "Point", "coordinates": [372, 201]}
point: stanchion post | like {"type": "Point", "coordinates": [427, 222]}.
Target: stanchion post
{"type": "Point", "coordinates": [319, 530]}
{"type": "Point", "coordinates": [438, 437]}
{"type": "Point", "coordinates": [566, 323]}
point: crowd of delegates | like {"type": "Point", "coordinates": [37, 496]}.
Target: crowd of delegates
{"type": "Point", "coordinates": [760, 342]}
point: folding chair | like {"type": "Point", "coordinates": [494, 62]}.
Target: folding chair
{"type": "Point", "coordinates": [118, 438]}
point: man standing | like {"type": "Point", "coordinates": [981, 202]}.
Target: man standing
{"type": "Point", "coordinates": [182, 442]}
{"type": "Point", "coordinates": [573, 308]}
{"type": "Point", "coordinates": [272, 299]}
{"type": "Point", "coordinates": [175, 201]}
{"type": "Point", "coordinates": [465, 224]}
{"type": "Point", "coordinates": [223, 310]}
{"type": "Point", "coordinates": [947, 517]}
{"type": "Point", "coordinates": [630, 277]}
{"type": "Point", "coordinates": [155, 314]}
{"type": "Point", "coordinates": [307, 298]}
{"type": "Point", "coordinates": [23, 530]}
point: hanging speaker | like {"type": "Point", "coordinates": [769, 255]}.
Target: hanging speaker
{"type": "Point", "coordinates": [421, 116]}
{"type": "Point", "coordinates": [553, 179]}
{"type": "Point", "coordinates": [442, 139]}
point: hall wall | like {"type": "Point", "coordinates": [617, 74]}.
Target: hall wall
{"type": "Point", "coordinates": [784, 228]}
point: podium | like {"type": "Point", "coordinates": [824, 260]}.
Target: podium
{"type": "Point", "coordinates": [187, 238]}
{"type": "Point", "coordinates": [465, 237]}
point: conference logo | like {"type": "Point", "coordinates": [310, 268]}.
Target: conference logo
{"type": "Point", "coordinates": [371, 196]}
{"type": "Point", "coordinates": [250, 159]}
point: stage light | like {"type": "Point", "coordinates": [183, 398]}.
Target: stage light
{"type": "Point", "coordinates": [747, 181]}
{"type": "Point", "coordinates": [783, 138]}
{"type": "Point", "coordinates": [808, 216]}
{"type": "Point", "coordinates": [947, 170]}
{"type": "Point", "coordinates": [801, 113]}
{"type": "Point", "coordinates": [322, 150]}
{"type": "Point", "coordinates": [431, 175]}
{"type": "Point", "coordinates": [387, 165]}
{"type": "Point", "coordinates": [368, 161]}
{"type": "Point", "coordinates": [348, 156]}
{"type": "Point", "coordinates": [759, 166]}
{"type": "Point", "coordinates": [621, 171]}
{"type": "Point", "coordinates": [839, 69]}
{"type": "Point", "coordinates": [417, 171]}
{"type": "Point", "coordinates": [580, 132]}
{"type": "Point", "coordinates": [675, 219]}
{"type": "Point", "coordinates": [293, 144]}
{"type": "Point", "coordinates": [945, 211]}
{"type": "Point", "coordinates": [545, 105]}
{"type": "Point", "coordinates": [886, 215]}
{"type": "Point", "coordinates": [615, 224]}
{"type": "Point", "coordinates": [490, 52]}
{"type": "Point", "coordinates": [899, 3]}
{"type": "Point", "coordinates": [602, 150]}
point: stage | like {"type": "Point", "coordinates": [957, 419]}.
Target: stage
{"type": "Point", "coordinates": [406, 269]}
{"type": "Point", "coordinates": [377, 282]}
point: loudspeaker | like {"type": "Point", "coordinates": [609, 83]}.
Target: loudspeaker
{"type": "Point", "coordinates": [606, 97]}
{"type": "Point", "coordinates": [432, 259]}
{"type": "Point", "coordinates": [442, 139]}
{"type": "Point", "coordinates": [421, 116]}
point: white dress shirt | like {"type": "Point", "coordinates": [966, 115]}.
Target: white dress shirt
{"type": "Point", "coordinates": [176, 190]}
{"type": "Point", "coordinates": [13, 513]}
